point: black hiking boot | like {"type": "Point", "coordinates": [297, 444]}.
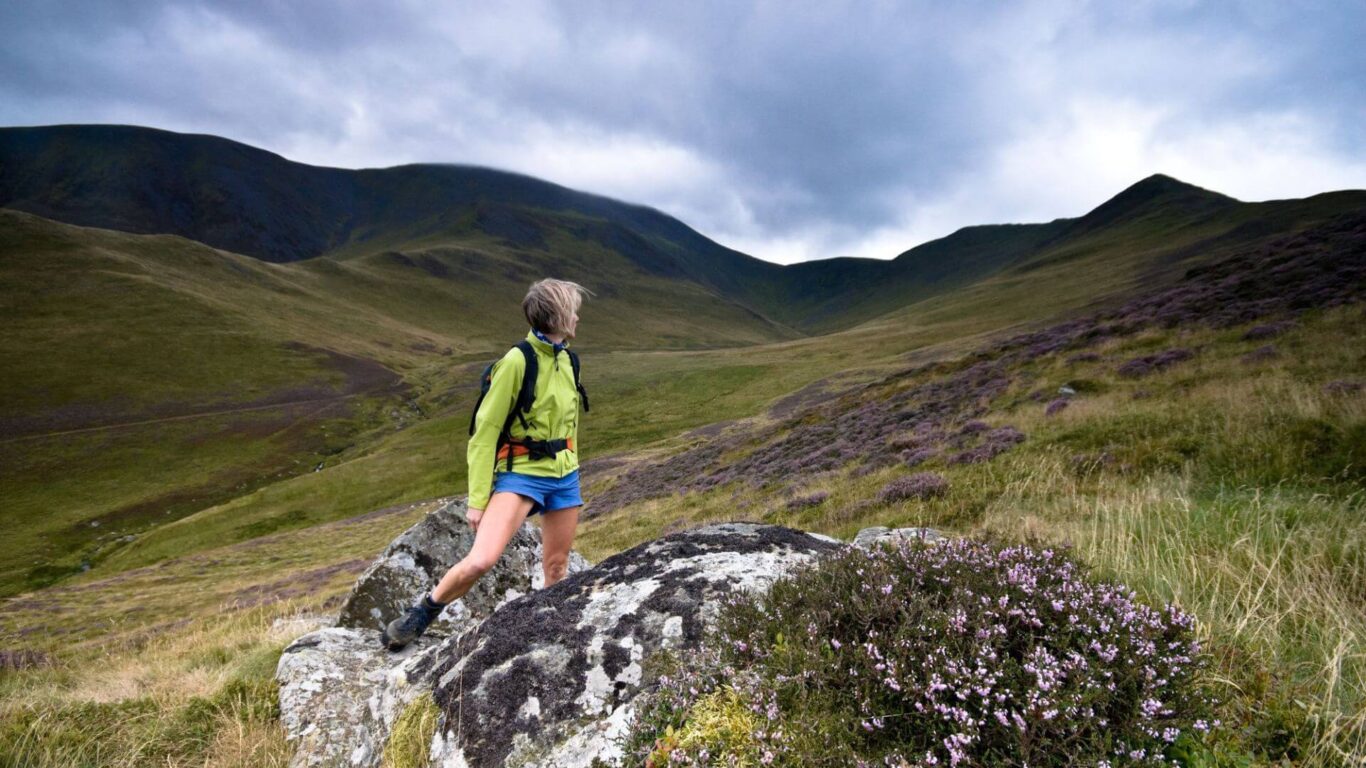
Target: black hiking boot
{"type": "Point", "coordinates": [410, 626]}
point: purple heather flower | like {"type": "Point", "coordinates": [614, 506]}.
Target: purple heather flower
{"type": "Point", "coordinates": [1342, 387]}
{"type": "Point", "coordinates": [921, 485]}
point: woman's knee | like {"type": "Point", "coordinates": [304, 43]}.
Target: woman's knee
{"type": "Point", "coordinates": [502, 518]}
{"type": "Point", "coordinates": [479, 564]}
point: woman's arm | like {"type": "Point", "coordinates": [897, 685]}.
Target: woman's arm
{"type": "Point", "coordinates": [504, 382]}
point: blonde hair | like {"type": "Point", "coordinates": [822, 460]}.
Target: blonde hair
{"type": "Point", "coordinates": [550, 303]}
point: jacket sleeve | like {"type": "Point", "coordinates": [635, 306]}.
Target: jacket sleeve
{"type": "Point", "coordinates": [505, 380]}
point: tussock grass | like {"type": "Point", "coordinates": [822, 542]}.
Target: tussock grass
{"type": "Point", "coordinates": [410, 741]}
{"type": "Point", "coordinates": [206, 696]}
{"type": "Point", "coordinates": [174, 665]}
{"type": "Point", "coordinates": [1232, 489]}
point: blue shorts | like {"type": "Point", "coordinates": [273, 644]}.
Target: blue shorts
{"type": "Point", "coordinates": [547, 494]}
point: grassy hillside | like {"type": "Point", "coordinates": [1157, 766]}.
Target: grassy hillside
{"type": "Point", "coordinates": [168, 381]}
{"type": "Point", "coordinates": [1205, 444]}
{"type": "Point", "coordinates": [181, 420]}
{"type": "Point", "coordinates": [148, 377]}
{"type": "Point", "coordinates": [256, 203]}
{"type": "Point", "coordinates": [1210, 455]}
{"type": "Point", "coordinates": [253, 202]}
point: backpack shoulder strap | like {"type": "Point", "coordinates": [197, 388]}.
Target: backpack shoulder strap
{"type": "Point", "coordinates": [527, 394]}
{"type": "Point", "coordinates": [583, 394]}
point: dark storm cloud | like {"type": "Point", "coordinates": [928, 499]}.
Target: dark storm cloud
{"type": "Point", "coordinates": [789, 130]}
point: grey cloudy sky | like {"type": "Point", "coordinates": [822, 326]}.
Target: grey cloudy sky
{"type": "Point", "coordinates": [787, 130]}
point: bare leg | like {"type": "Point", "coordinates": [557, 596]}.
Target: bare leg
{"type": "Point", "coordinates": [502, 517]}
{"type": "Point", "coordinates": [557, 535]}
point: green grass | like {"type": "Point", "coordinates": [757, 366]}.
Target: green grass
{"type": "Point", "coordinates": [1209, 474]}
{"type": "Point", "coordinates": [174, 665]}
{"type": "Point", "coordinates": [92, 315]}
{"type": "Point", "coordinates": [1269, 568]}
{"type": "Point", "coordinates": [1218, 497]}
{"type": "Point", "coordinates": [194, 330]}
{"type": "Point", "coordinates": [411, 739]}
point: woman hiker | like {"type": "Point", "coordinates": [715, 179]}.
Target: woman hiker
{"type": "Point", "coordinates": [541, 444]}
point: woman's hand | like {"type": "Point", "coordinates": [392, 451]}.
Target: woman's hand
{"type": "Point", "coordinates": [474, 516]}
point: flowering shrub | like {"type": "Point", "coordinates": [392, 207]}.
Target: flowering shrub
{"type": "Point", "coordinates": [809, 500]}
{"type": "Point", "coordinates": [957, 653]}
{"type": "Point", "coordinates": [993, 443]}
{"type": "Point", "coordinates": [1261, 354]}
{"type": "Point", "coordinates": [918, 456]}
{"type": "Point", "coordinates": [921, 485]}
{"type": "Point", "coordinates": [1342, 387]}
{"type": "Point", "coordinates": [1266, 331]}
{"type": "Point", "coordinates": [1142, 366]}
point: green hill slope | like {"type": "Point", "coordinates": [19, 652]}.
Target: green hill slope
{"type": "Point", "coordinates": [1209, 454]}
{"type": "Point", "coordinates": [149, 376]}
{"type": "Point", "coordinates": [326, 369]}
{"type": "Point", "coordinates": [249, 201]}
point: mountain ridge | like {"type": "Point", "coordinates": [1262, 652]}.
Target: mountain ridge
{"type": "Point", "coordinates": [251, 201]}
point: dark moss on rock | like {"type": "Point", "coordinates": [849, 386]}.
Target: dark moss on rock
{"type": "Point", "coordinates": [553, 644]}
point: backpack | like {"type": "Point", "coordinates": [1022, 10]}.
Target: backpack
{"type": "Point", "coordinates": [526, 395]}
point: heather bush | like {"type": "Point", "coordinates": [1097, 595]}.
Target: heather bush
{"type": "Point", "coordinates": [921, 485]}
{"type": "Point", "coordinates": [808, 501]}
{"type": "Point", "coordinates": [1266, 331]}
{"type": "Point", "coordinates": [1261, 354]}
{"type": "Point", "coordinates": [1147, 364]}
{"type": "Point", "coordinates": [1341, 387]}
{"type": "Point", "coordinates": [957, 653]}
{"type": "Point", "coordinates": [1006, 435]}
{"type": "Point", "coordinates": [1055, 406]}
{"type": "Point", "coordinates": [983, 452]}
{"type": "Point", "coordinates": [917, 457]}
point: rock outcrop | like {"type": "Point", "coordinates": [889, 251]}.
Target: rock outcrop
{"type": "Point", "coordinates": [552, 679]}
{"type": "Point", "coordinates": [421, 555]}
{"type": "Point", "coordinates": [340, 691]}
{"type": "Point", "coordinates": [526, 676]}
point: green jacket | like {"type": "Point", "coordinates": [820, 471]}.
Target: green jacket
{"type": "Point", "coordinates": [554, 414]}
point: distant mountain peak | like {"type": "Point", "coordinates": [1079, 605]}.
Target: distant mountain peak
{"type": "Point", "coordinates": [1158, 192]}
{"type": "Point", "coordinates": [1162, 184]}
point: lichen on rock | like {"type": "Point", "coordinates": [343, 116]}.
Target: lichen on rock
{"type": "Point", "coordinates": [536, 677]}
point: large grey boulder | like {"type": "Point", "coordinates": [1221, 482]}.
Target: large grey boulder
{"type": "Point", "coordinates": [538, 677]}
{"type": "Point", "coordinates": [340, 690]}
{"type": "Point", "coordinates": [552, 678]}
{"type": "Point", "coordinates": [417, 559]}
